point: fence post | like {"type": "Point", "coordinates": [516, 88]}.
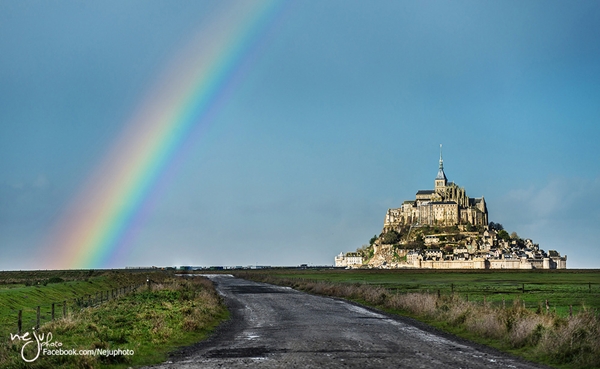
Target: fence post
{"type": "Point", "coordinates": [37, 321]}
{"type": "Point", "coordinates": [547, 307]}
{"type": "Point", "coordinates": [64, 309]}
{"type": "Point", "coordinates": [52, 311]}
{"type": "Point", "coordinates": [20, 321]}
{"type": "Point", "coordinates": [570, 311]}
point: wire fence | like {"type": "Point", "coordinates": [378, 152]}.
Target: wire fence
{"type": "Point", "coordinates": [566, 299]}
{"type": "Point", "coordinates": [33, 317]}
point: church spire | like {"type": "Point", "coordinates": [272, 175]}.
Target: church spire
{"type": "Point", "coordinates": [441, 160]}
{"type": "Point", "coordinates": [440, 180]}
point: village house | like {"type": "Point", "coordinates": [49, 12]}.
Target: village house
{"type": "Point", "coordinates": [350, 259]}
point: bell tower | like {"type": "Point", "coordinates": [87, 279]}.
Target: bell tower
{"type": "Point", "coordinates": [440, 180]}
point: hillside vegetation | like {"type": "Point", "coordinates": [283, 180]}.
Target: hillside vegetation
{"type": "Point", "coordinates": [406, 246]}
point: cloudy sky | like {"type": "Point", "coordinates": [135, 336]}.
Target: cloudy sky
{"type": "Point", "coordinates": [336, 115]}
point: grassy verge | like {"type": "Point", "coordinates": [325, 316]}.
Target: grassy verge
{"type": "Point", "coordinates": [150, 323]}
{"type": "Point", "coordinates": [563, 289]}
{"type": "Point", "coordinates": [534, 334]}
{"type": "Point", "coordinates": [71, 290]}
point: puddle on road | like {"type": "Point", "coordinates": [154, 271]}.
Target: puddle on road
{"type": "Point", "coordinates": [240, 352]}
{"type": "Point", "coordinates": [359, 310]}
{"type": "Point", "coordinates": [251, 289]}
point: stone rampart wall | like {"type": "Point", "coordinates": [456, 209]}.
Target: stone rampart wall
{"type": "Point", "coordinates": [489, 264]}
{"type": "Point", "coordinates": [451, 264]}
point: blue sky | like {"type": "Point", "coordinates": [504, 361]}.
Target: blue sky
{"type": "Point", "coordinates": [338, 116]}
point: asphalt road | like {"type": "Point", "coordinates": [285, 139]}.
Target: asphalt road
{"type": "Point", "coordinates": [278, 327]}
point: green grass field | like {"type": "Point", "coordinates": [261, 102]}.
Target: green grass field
{"type": "Point", "coordinates": [27, 290]}
{"type": "Point", "coordinates": [153, 319]}
{"type": "Point", "coordinates": [562, 288]}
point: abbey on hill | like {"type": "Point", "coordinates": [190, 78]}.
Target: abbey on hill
{"type": "Point", "coordinates": [447, 204]}
{"type": "Point", "coordinates": [443, 228]}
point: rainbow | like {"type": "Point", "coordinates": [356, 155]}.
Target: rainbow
{"type": "Point", "coordinates": [101, 221]}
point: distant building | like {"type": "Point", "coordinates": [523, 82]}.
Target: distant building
{"type": "Point", "coordinates": [446, 205]}
{"type": "Point", "coordinates": [349, 259]}
{"type": "Point", "coordinates": [449, 247]}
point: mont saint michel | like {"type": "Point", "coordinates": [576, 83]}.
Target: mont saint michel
{"type": "Point", "coordinates": [444, 228]}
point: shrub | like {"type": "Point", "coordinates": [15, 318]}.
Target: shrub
{"type": "Point", "coordinates": [574, 340]}
{"type": "Point", "coordinates": [486, 325]}
{"type": "Point", "coordinates": [55, 280]}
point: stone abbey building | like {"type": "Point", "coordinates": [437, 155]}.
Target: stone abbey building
{"type": "Point", "coordinates": [465, 247]}
{"type": "Point", "coordinates": [446, 205]}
